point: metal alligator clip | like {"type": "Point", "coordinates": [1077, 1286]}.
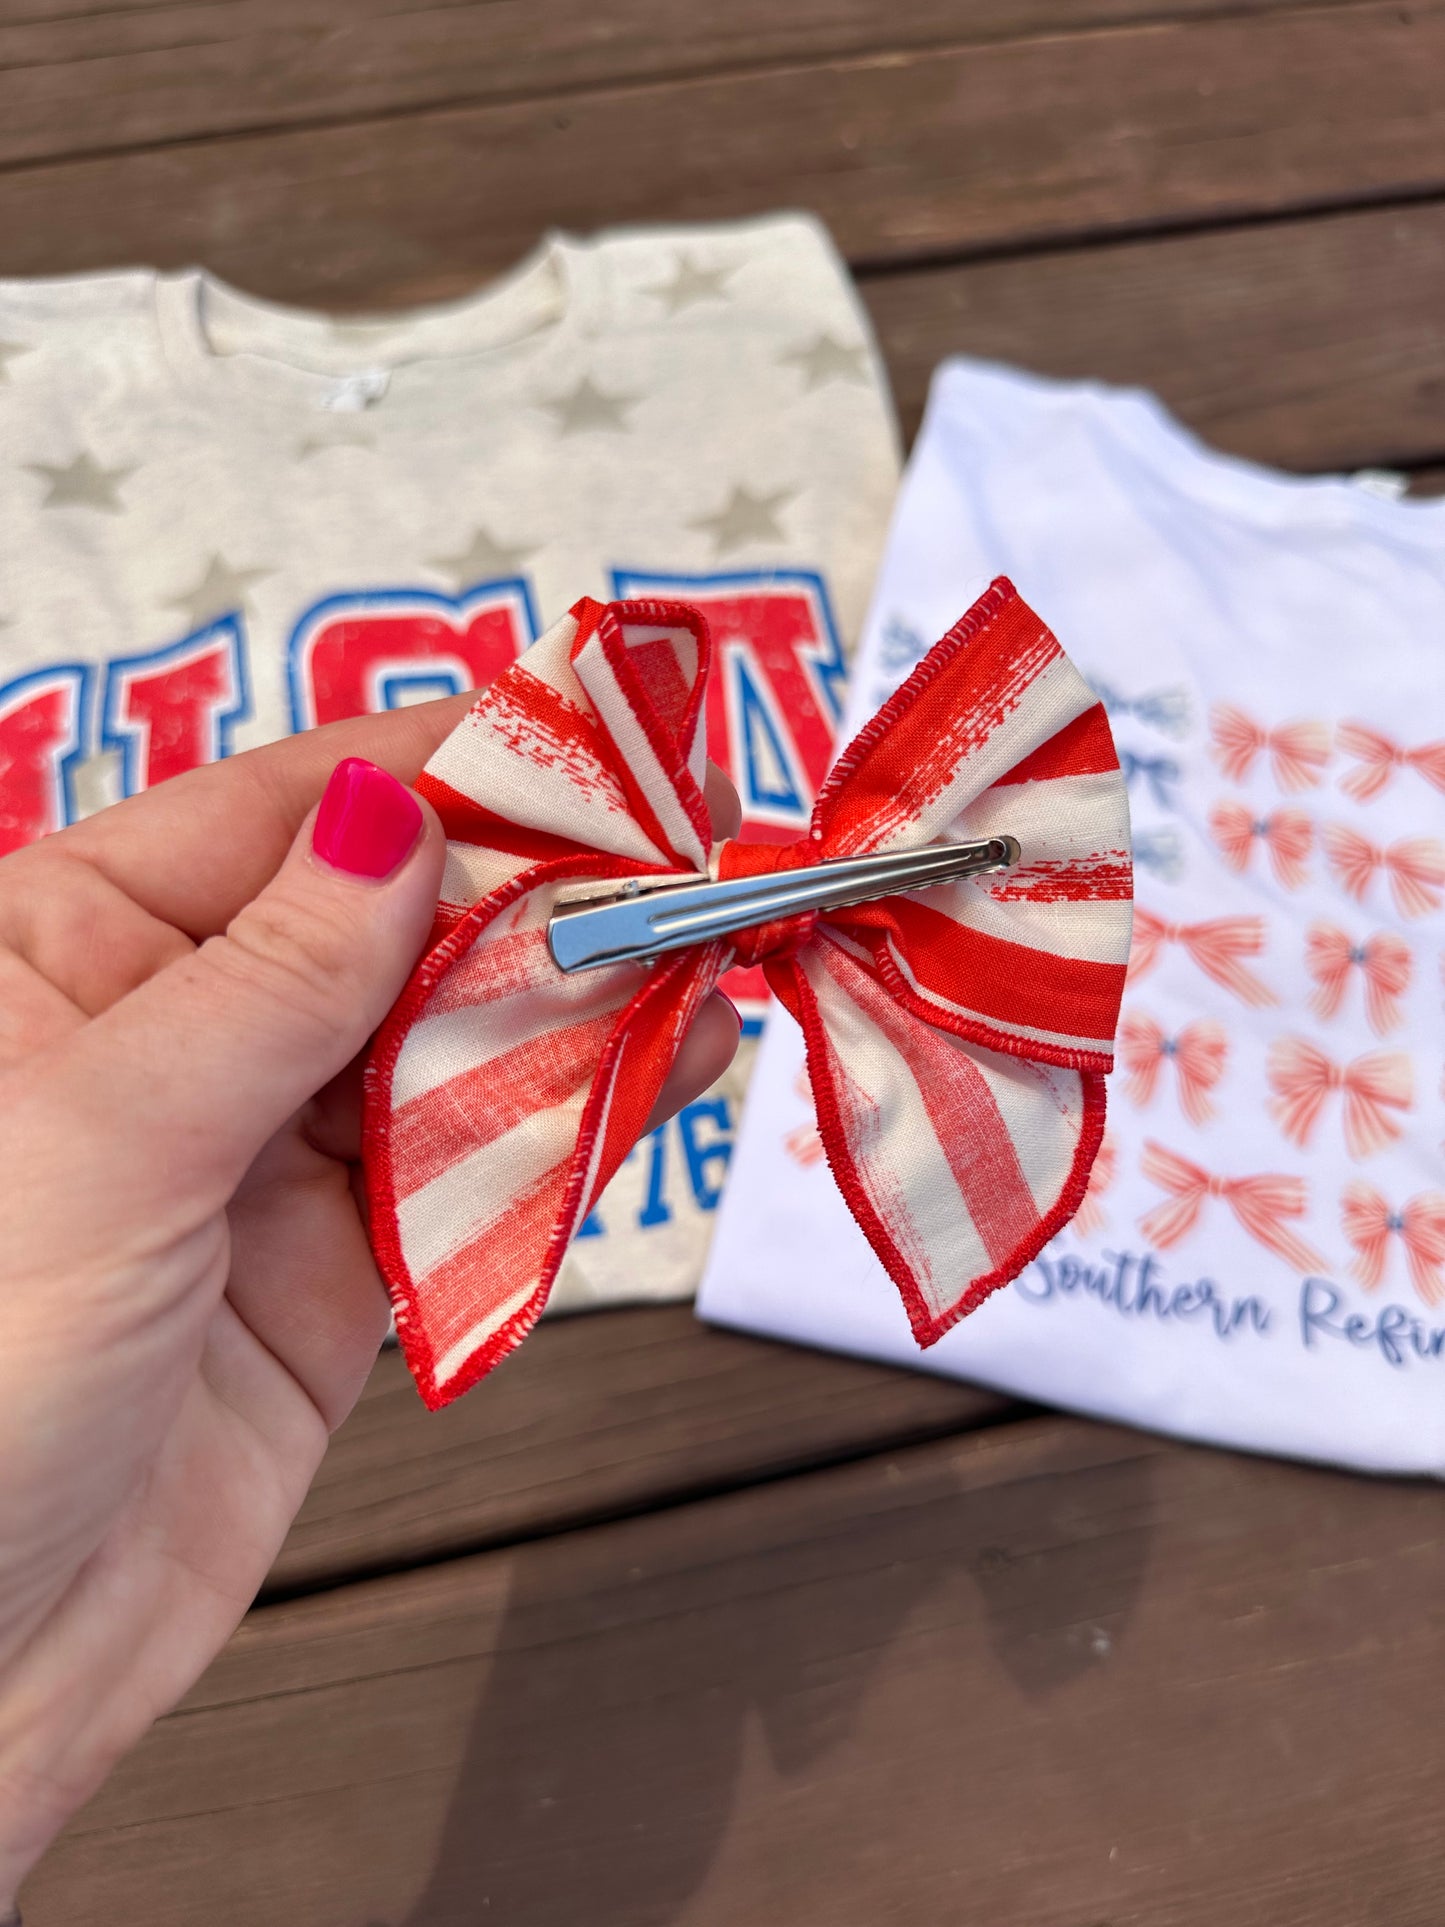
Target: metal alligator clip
{"type": "Point", "coordinates": [645, 916]}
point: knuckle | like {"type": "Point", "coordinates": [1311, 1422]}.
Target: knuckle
{"type": "Point", "coordinates": [301, 956]}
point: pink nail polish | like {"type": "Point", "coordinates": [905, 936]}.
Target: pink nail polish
{"type": "Point", "coordinates": [368, 823]}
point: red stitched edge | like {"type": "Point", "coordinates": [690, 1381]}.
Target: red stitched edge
{"type": "Point", "coordinates": [1000, 595]}
{"type": "Point", "coordinates": [377, 1114]}
{"type": "Point", "coordinates": [974, 1031]}
{"type": "Point", "coordinates": [664, 746]}
{"type": "Point", "coordinates": [507, 1337]}
{"type": "Point", "coordinates": [927, 1326]}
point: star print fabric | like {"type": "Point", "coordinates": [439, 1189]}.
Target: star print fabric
{"type": "Point", "coordinates": [1260, 1256]}
{"type": "Point", "coordinates": [222, 521]}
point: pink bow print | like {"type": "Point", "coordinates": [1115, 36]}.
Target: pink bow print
{"type": "Point", "coordinates": [1369, 1224]}
{"type": "Point", "coordinates": [1383, 961]}
{"type": "Point", "coordinates": [1302, 1078]}
{"type": "Point", "coordinates": [1198, 1053]}
{"type": "Point", "coordinates": [1261, 1205]}
{"type": "Point", "coordinates": [1380, 758]}
{"type": "Point", "coordinates": [1298, 752]}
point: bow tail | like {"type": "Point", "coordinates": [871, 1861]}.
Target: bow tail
{"type": "Point", "coordinates": [958, 1163]}
{"type": "Point", "coordinates": [500, 1099]}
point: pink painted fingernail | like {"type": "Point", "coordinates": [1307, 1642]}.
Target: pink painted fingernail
{"type": "Point", "coordinates": [368, 823]}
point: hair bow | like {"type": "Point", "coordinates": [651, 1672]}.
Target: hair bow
{"type": "Point", "coordinates": [1216, 946]}
{"type": "Point", "coordinates": [956, 1035]}
{"type": "Point", "coordinates": [1288, 836]}
{"type": "Point", "coordinates": [1302, 1077]}
{"type": "Point", "coordinates": [1199, 1054]}
{"type": "Point", "coordinates": [1298, 752]}
{"type": "Point", "coordinates": [1383, 961]}
{"type": "Point", "coordinates": [1369, 1223]}
{"type": "Point", "coordinates": [1380, 758]}
{"type": "Point", "coordinates": [1415, 866]}
{"type": "Point", "coordinates": [1261, 1204]}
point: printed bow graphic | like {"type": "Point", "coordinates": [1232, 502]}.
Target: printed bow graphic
{"type": "Point", "coordinates": [956, 1037]}
{"type": "Point", "coordinates": [1288, 836]}
{"type": "Point", "coordinates": [1369, 1224]}
{"type": "Point", "coordinates": [1161, 851]}
{"type": "Point", "coordinates": [1199, 1054]}
{"type": "Point", "coordinates": [1415, 866]}
{"type": "Point", "coordinates": [1216, 946]}
{"type": "Point", "coordinates": [1298, 752]}
{"type": "Point", "coordinates": [1383, 961]}
{"type": "Point", "coordinates": [1261, 1204]}
{"type": "Point", "coordinates": [1302, 1078]}
{"type": "Point", "coordinates": [1160, 773]}
{"type": "Point", "coordinates": [1089, 1218]}
{"type": "Point", "coordinates": [1168, 710]}
{"type": "Point", "coordinates": [1380, 758]}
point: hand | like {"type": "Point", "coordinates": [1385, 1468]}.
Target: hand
{"type": "Point", "coordinates": [188, 1304]}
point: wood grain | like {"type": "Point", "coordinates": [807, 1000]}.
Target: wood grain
{"type": "Point", "coordinates": [905, 155]}
{"type": "Point", "coordinates": [609, 1413]}
{"type": "Point", "coordinates": [1312, 344]}
{"type": "Point", "coordinates": [1049, 1675]}
{"type": "Point", "coordinates": [137, 75]}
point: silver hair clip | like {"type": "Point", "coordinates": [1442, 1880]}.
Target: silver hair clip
{"type": "Point", "coordinates": [645, 916]}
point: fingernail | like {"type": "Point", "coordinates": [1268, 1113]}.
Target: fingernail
{"type": "Point", "coordinates": [368, 823]}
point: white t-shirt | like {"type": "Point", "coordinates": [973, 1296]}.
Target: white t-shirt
{"type": "Point", "coordinates": [221, 521]}
{"type": "Point", "coordinates": [1261, 1260]}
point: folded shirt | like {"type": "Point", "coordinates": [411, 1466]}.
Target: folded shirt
{"type": "Point", "coordinates": [1260, 1259]}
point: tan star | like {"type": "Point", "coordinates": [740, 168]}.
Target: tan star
{"type": "Point", "coordinates": [82, 483]}
{"type": "Point", "coordinates": [691, 284]}
{"type": "Point", "coordinates": [587, 407]}
{"type": "Point", "coordinates": [746, 518]}
{"type": "Point", "coordinates": [483, 559]}
{"type": "Point", "coordinates": [221, 591]}
{"type": "Point", "coordinates": [824, 359]}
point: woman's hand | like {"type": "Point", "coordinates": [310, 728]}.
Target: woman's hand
{"type": "Point", "coordinates": [188, 1304]}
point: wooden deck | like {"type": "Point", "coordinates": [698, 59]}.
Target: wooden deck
{"type": "Point", "coordinates": [667, 1627]}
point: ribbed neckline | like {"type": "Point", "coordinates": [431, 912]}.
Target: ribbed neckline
{"type": "Point", "coordinates": [227, 347]}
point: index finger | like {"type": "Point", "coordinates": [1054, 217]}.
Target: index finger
{"type": "Point", "coordinates": [196, 849]}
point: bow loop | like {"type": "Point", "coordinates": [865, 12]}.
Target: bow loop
{"type": "Point", "coordinates": [956, 1035]}
{"type": "Point", "coordinates": [1369, 1224]}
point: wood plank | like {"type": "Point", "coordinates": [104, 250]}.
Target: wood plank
{"type": "Point", "coordinates": [135, 74]}
{"type": "Point", "coordinates": [608, 1413]}
{"type": "Point", "coordinates": [1311, 344]}
{"type": "Point", "coordinates": [1049, 1675]}
{"type": "Point", "coordinates": [912, 155]}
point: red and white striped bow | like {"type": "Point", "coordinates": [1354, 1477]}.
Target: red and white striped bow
{"type": "Point", "coordinates": [1380, 758]}
{"type": "Point", "coordinates": [1089, 1218]}
{"type": "Point", "coordinates": [1302, 1078]}
{"type": "Point", "coordinates": [1261, 1204]}
{"type": "Point", "coordinates": [1369, 1223]}
{"type": "Point", "coordinates": [1288, 836]}
{"type": "Point", "coordinates": [1198, 1054]}
{"type": "Point", "coordinates": [1415, 866]}
{"type": "Point", "coordinates": [1298, 752]}
{"type": "Point", "coordinates": [956, 1038]}
{"type": "Point", "coordinates": [1216, 945]}
{"type": "Point", "coordinates": [1383, 961]}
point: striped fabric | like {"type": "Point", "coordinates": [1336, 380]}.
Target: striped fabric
{"type": "Point", "coordinates": [956, 1037]}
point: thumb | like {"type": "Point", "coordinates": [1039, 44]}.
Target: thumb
{"type": "Point", "coordinates": [189, 1075]}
